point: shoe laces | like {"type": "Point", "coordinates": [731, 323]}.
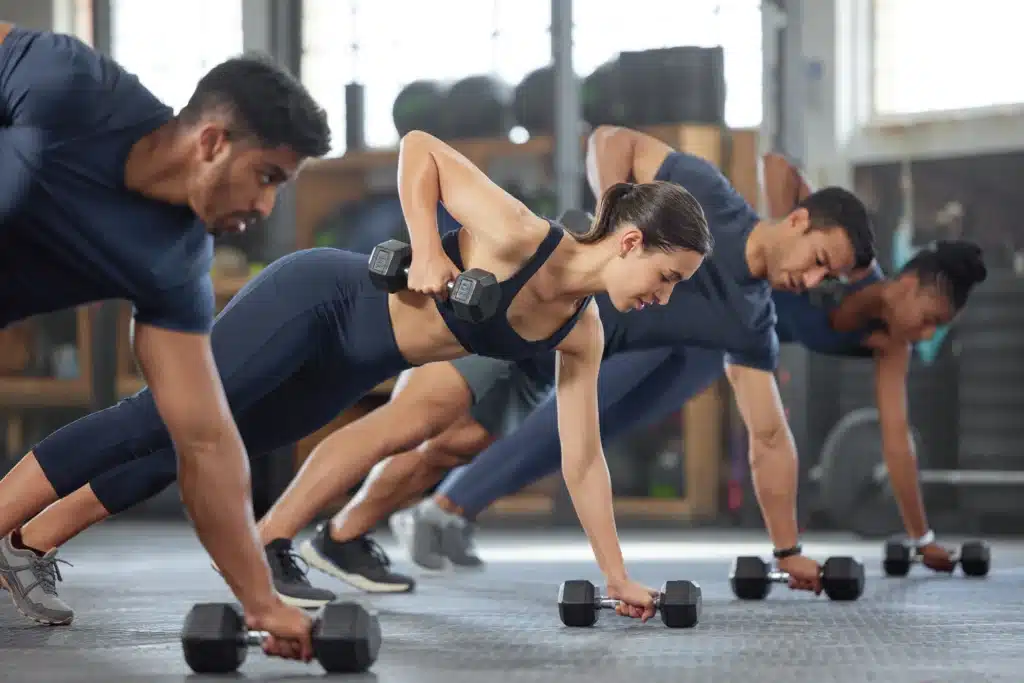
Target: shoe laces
{"type": "Point", "coordinates": [374, 550]}
{"type": "Point", "coordinates": [47, 573]}
{"type": "Point", "coordinates": [289, 561]}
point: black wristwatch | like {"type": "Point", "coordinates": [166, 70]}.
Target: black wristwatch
{"type": "Point", "coordinates": [782, 553]}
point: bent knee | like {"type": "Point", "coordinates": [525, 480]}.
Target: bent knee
{"type": "Point", "coordinates": [457, 445]}
{"type": "Point", "coordinates": [442, 457]}
{"type": "Point", "coordinates": [425, 417]}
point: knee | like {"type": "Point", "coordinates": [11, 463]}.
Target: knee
{"type": "Point", "coordinates": [438, 455]}
{"type": "Point", "coordinates": [421, 420]}
{"type": "Point", "coordinates": [62, 480]}
{"type": "Point", "coordinates": [135, 481]}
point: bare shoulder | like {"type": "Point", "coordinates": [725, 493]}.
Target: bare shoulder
{"type": "Point", "coordinates": [523, 231]}
{"type": "Point", "coordinates": [586, 340]}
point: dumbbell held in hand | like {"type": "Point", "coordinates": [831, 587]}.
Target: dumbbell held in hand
{"type": "Point", "coordinates": [842, 578]}
{"type": "Point", "coordinates": [576, 221]}
{"type": "Point", "coordinates": [974, 559]}
{"type": "Point", "coordinates": [679, 603]}
{"type": "Point", "coordinates": [474, 294]}
{"type": "Point", "coordinates": [346, 638]}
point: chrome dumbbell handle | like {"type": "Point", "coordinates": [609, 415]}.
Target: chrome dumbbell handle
{"type": "Point", "coordinates": [450, 284]}
{"type": "Point", "coordinates": [602, 602]}
{"type": "Point", "coordinates": [254, 638]}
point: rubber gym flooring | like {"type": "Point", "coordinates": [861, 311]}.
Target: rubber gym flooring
{"type": "Point", "coordinates": [132, 583]}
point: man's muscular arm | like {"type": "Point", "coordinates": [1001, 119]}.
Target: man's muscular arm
{"type": "Point", "coordinates": [773, 458]}
{"type": "Point", "coordinates": [614, 155]}
{"type": "Point", "coordinates": [213, 471]}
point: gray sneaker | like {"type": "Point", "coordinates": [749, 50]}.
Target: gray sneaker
{"type": "Point", "coordinates": [424, 542]}
{"type": "Point", "coordinates": [457, 545]}
{"type": "Point", "coordinates": [401, 526]}
{"type": "Point", "coordinates": [32, 580]}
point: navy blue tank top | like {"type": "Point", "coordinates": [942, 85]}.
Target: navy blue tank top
{"type": "Point", "coordinates": [495, 337]}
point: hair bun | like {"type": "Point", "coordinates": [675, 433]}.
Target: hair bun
{"type": "Point", "coordinates": [963, 259]}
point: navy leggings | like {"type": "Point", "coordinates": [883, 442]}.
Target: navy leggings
{"type": "Point", "coordinates": [301, 342]}
{"type": "Point", "coordinates": [634, 389]}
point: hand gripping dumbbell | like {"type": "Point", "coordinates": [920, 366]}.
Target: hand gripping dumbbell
{"type": "Point", "coordinates": [679, 603]}
{"type": "Point", "coordinates": [474, 294]}
{"type": "Point", "coordinates": [346, 638]}
{"type": "Point", "coordinates": [974, 559]}
{"type": "Point", "coordinates": [842, 578]}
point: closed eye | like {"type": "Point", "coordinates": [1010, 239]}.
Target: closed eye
{"type": "Point", "coordinates": [273, 175]}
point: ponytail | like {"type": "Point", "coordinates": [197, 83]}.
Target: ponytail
{"type": "Point", "coordinates": [667, 215]}
{"type": "Point", "coordinates": [607, 217]}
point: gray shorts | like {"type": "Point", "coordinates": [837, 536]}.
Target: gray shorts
{"type": "Point", "coordinates": [504, 394]}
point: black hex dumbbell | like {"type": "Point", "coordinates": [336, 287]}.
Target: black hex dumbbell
{"type": "Point", "coordinates": [974, 559]}
{"type": "Point", "coordinates": [346, 638]}
{"type": "Point", "coordinates": [842, 578]}
{"type": "Point", "coordinates": [474, 294]}
{"type": "Point", "coordinates": [679, 603]}
{"type": "Point", "coordinates": [576, 221]}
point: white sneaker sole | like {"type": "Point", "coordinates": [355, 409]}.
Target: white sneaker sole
{"type": "Point", "coordinates": [304, 603]}
{"type": "Point", "coordinates": [311, 555]}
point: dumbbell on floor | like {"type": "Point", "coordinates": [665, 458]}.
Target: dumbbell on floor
{"type": "Point", "coordinates": [346, 638]}
{"type": "Point", "coordinates": [974, 559]}
{"type": "Point", "coordinates": [474, 294]}
{"type": "Point", "coordinates": [842, 578]}
{"type": "Point", "coordinates": [679, 603]}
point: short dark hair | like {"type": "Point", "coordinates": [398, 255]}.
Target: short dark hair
{"type": "Point", "coordinates": [667, 215]}
{"type": "Point", "coordinates": [267, 103]}
{"type": "Point", "coordinates": [835, 207]}
{"type": "Point", "coordinates": [954, 266]}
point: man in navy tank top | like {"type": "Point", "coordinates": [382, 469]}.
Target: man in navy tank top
{"type": "Point", "coordinates": [105, 193]}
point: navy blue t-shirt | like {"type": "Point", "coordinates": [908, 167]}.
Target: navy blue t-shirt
{"type": "Point", "coordinates": [70, 231]}
{"type": "Point", "coordinates": [804, 318]}
{"type": "Point", "coordinates": [722, 306]}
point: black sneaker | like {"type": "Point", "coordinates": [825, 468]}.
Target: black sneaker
{"type": "Point", "coordinates": [361, 563]}
{"type": "Point", "coordinates": [290, 579]}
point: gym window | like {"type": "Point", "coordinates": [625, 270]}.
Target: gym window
{"type": "Point", "coordinates": [400, 41]}
{"type": "Point", "coordinates": [154, 50]}
{"type": "Point", "coordinates": [939, 56]}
